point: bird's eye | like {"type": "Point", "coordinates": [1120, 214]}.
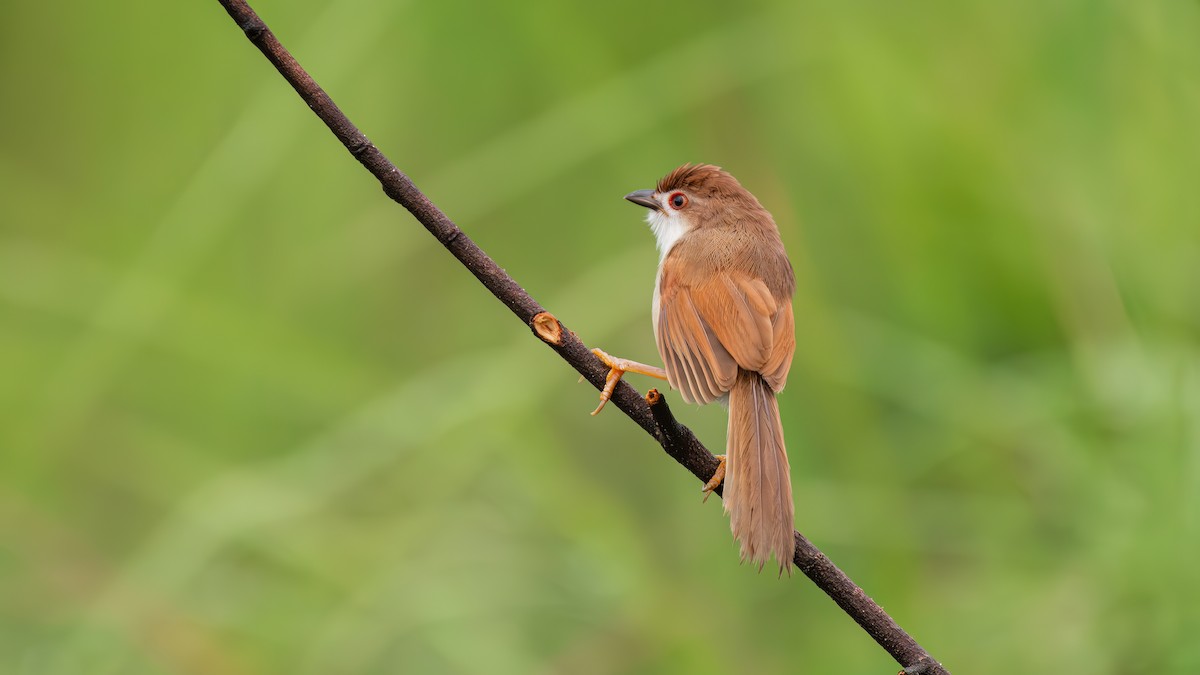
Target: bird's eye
{"type": "Point", "coordinates": [678, 200]}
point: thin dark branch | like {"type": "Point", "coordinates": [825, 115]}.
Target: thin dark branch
{"type": "Point", "coordinates": [652, 413]}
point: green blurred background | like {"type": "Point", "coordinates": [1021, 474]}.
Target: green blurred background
{"type": "Point", "coordinates": [253, 419]}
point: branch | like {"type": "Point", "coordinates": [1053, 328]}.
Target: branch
{"type": "Point", "coordinates": [651, 413]}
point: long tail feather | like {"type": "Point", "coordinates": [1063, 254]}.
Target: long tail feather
{"type": "Point", "coordinates": [758, 485]}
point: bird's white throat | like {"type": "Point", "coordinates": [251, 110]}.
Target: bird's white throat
{"type": "Point", "coordinates": [668, 228]}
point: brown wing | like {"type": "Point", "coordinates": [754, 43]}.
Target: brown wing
{"type": "Point", "coordinates": [709, 329]}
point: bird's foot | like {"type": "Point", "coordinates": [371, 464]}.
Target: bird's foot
{"type": "Point", "coordinates": [616, 369]}
{"type": "Point", "coordinates": [718, 477]}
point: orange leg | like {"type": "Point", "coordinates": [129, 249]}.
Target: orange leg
{"type": "Point", "coordinates": [716, 480]}
{"type": "Point", "coordinates": [617, 368]}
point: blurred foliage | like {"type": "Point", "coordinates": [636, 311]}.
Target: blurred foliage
{"type": "Point", "coordinates": [255, 420]}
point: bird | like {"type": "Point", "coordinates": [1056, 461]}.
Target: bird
{"type": "Point", "coordinates": [724, 328]}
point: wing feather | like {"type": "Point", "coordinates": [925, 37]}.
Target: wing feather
{"type": "Point", "coordinates": [709, 329]}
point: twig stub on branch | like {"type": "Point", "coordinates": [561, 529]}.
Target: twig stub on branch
{"type": "Point", "coordinates": [548, 328]}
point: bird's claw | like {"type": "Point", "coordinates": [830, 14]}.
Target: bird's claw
{"type": "Point", "coordinates": [615, 373]}
{"type": "Point", "coordinates": [718, 477]}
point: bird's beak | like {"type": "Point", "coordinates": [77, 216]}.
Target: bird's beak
{"type": "Point", "coordinates": [644, 198]}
